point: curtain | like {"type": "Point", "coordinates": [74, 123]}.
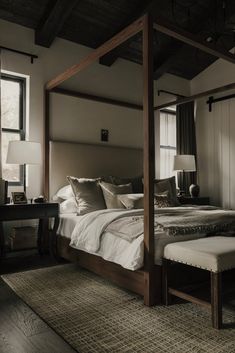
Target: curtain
{"type": "Point", "coordinates": [167, 144]}
{"type": "Point", "coordinates": [186, 140]}
{"type": "Point", "coordinates": [0, 115]}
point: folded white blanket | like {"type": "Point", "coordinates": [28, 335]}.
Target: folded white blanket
{"type": "Point", "coordinates": [87, 233]}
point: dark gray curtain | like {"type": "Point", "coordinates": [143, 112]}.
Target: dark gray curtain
{"type": "Point", "coordinates": [186, 141]}
{"type": "Point", "coordinates": [0, 115]}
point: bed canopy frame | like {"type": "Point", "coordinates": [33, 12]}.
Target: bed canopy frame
{"type": "Point", "coordinates": [151, 274]}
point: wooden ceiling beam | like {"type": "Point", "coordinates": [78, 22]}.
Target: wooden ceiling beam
{"type": "Point", "coordinates": [110, 58]}
{"type": "Point", "coordinates": [208, 93]}
{"type": "Point", "coordinates": [193, 40]}
{"type": "Point", "coordinates": [162, 67]}
{"type": "Point", "coordinates": [53, 21]}
{"type": "Point", "coordinates": [105, 48]}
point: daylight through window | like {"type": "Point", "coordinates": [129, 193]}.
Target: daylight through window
{"type": "Point", "coordinates": [13, 122]}
{"type": "Point", "coordinates": [167, 143]}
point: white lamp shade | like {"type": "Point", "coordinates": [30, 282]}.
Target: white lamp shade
{"type": "Point", "coordinates": [184, 162]}
{"type": "Point", "coordinates": [24, 152]}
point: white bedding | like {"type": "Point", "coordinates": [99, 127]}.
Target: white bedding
{"type": "Point", "coordinates": [128, 254]}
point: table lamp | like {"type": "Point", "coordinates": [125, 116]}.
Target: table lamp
{"type": "Point", "coordinates": [184, 163]}
{"type": "Point", "coordinates": [24, 152]}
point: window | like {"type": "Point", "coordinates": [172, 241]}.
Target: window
{"type": "Point", "coordinates": [167, 142]}
{"type": "Point", "coordinates": [13, 123]}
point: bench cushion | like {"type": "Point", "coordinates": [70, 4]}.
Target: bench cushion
{"type": "Point", "coordinates": [214, 254]}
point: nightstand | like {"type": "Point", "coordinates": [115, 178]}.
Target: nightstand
{"type": "Point", "coordinates": [41, 211]}
{"type": "Point", "coordinates": [188, 200]}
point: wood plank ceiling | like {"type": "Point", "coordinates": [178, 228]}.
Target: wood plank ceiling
{"type": "Point", "coordinates": [92, 22]}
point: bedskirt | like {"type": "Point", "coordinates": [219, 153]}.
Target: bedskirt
{"type": "Point", "coordinates": [131, 280]}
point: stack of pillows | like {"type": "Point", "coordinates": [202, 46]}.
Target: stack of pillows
{"type": "Point", "coordinates": [84, 195]}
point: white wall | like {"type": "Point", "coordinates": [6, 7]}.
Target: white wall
{"type": "Point", "coordinates": [216, 136]}
{"type": "Point", "coordinates": [122, 81]}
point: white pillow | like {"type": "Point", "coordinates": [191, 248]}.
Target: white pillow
{"type": "Point", "coordinates": [64, 193]}
{"type": "Point", "coordinates": [68, 206]}
{"type": "Point", "coordinates": [131, 201]}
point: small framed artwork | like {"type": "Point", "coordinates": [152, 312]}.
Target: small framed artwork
{"type": "Point", "coordinates": [19, 197]}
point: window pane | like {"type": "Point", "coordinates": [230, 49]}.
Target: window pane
{"type": "Point", "coordinates": [168, 144]}
{"type": "Point", "coordinates": [166, 162]}
{"type": "Point", "coordinates": [10, 172]}
{"type": "Point", "coordinates": [10, 100]}
{"type": "Point", "coordinates": [167, 130]}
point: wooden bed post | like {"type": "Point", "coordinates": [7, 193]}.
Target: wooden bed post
{"type": "Point", "coordinates": [149, 161]}
{"type": "Point", "coordinates": [46, 142]}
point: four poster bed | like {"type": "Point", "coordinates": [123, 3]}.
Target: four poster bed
{"type": "Point", "coordinates": [147, 280]}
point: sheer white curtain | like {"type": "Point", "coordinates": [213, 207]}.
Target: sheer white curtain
{"type": "Point", "coordinates": [167, 144]}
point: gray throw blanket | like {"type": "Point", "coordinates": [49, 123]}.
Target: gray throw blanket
{"type": "Point", "coordinates": [191, 221]}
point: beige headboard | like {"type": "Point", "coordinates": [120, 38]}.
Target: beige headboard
{"type": "Point", "coordinates": [84, 160]}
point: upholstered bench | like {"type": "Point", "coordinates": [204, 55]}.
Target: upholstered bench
{"type": "Point", "coordinates": [215, 254]}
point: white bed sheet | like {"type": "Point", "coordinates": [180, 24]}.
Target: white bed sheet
{"type": "Point", "coordinates": [129, 255]}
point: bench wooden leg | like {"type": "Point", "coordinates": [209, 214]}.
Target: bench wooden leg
{"type": "Point", "coordinates": [165, 284]}
{"type": "Point", "coordinates": [216, 300]}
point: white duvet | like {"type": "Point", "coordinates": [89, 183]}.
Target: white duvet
{"type": "Point", "coordinates": [117, 236]}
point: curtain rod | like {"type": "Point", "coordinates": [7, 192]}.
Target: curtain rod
{"type": "Point", "coordinates": [197, 96]}
{"type": "Point", "coordinates": [213, 100]}
{"type": "Point", "coordinates": [32, 56]}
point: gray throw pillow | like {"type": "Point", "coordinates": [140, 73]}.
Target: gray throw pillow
{"type": "Point", "coordinates": [131, 201]}
{"type": "Point", "coordinates": [136, 182]}
{"type": "Point", "coordinates": [111, 192]}
{"type": "Point", "coordinates": [88, 194]}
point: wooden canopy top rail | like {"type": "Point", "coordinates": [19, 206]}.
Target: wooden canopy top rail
{"type": "Point", "coordinates": [129, 32]}
{"type": "Point", "coordinates": [146, 26]}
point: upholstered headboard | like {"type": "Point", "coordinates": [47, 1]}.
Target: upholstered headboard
{"type": "Point", "coordinates": [85, 160]}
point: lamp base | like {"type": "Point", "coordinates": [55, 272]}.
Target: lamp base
{"type": "Point", "coordinates": [194, 190]}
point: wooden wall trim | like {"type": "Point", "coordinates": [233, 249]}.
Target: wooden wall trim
{"type": "Point", "coordinates": [149, 160]}
{"type": "Point", "coordinates": [197, 96]}
{"type": "Point", "coordinates": [105, 48]}
{"type": "Point", "coordinates": [95, 98]}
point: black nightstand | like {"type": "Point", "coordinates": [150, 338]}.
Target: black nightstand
{"type": "Point", "coordinates": [188, 200]}
{"type": "Point", "coordinates": [42, 211]}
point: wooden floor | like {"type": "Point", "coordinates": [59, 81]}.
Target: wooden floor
{"type": "Point", "coordinates": [21, 330]}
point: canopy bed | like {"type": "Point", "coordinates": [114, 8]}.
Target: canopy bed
{"type": "Point", "coordinates": [146, 281]}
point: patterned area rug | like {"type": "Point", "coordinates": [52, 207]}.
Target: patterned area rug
{"type": "Point", "coordinates": [95, 316]}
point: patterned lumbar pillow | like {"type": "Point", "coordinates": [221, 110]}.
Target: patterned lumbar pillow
{"type": "Point", "coordinates": [111, 193]}
{"type": "Point", "coordinates": [163, 200]}
{"type": "Point", "coordinates": [88, 194]}
{"type": "Point", "coordinates": [164, 185]}
{"type": "Point", "coordinates": [131, 201]}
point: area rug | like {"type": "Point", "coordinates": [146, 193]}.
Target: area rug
{"type": "Point", "coordinates": [95, 316]}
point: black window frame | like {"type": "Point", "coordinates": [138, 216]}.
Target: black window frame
{"type": "Point", "coordinates": [22, 119]}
